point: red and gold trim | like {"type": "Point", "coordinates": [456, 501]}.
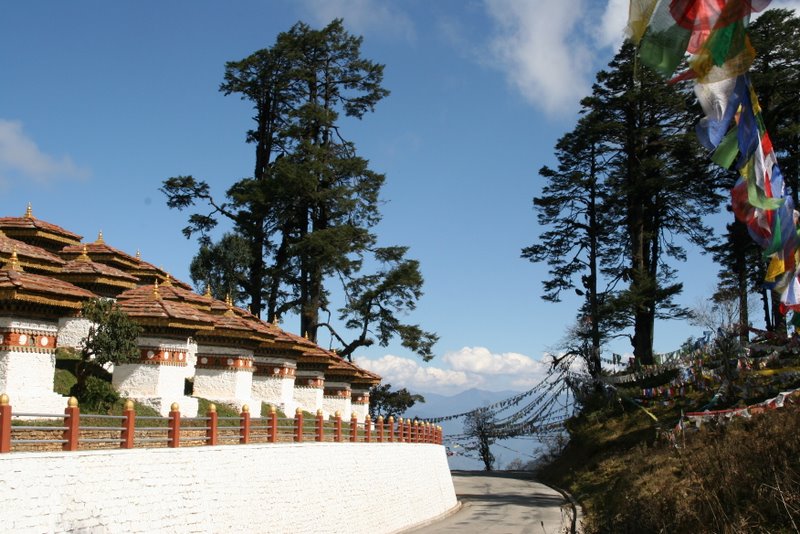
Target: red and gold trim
{"type": "Point", "coordinates": [360, 398]}
{"type": "Point", "coordinates": [27, 340]}
{"type": "Point", "coordinates": [309, 382]}
{"type": "Point", "coordinates": [338, 392]}
{"type": "Point", "coordinates": [162, 356]}
{"type": "Point", "coordinates": [274, 370]}
{"type": "Point", "coordinates": [232, 363]}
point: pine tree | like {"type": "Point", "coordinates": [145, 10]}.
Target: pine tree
{"type": "Point", "coordinates": [309, 210]}
{"type": "Point", "coordinates": [660, 188]}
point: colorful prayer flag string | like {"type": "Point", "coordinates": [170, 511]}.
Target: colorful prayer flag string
{"type": "Point", "coordinates": [714, 34]}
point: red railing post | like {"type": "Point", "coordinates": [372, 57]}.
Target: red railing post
{"type": "Point", "coordinates": [211, 431]}
{"type": "Point", "coordinates": [320, 426]}
{"type": "Point", "coordinates": [338, 427]}
{"type": "Point", "coordinates": [367, 428]}
{"type": "Point", "coordinates": [380, 429]}
{"type": "Point", "coordinates": [416, 432]}
{"type": "Point", "coordinates": [273, 425]}
{"type": "Point", "coordinates": [441, 435]}
{"type": "Point", "coordinates": [428, 435]}
{"type": "Point", "coordinates": [5, 424]}
{"type": "Point", "coordinates": [391, 429]}
{"type": "Point", "coordinates": [128, 426]}
{"type": "Point", "coordinates": [72, 418]}
{"type": "Point", "coordinates": [353, 428]}
{"type": "Point", "coordinates": [244, 425]}
{"type": "Point", "coordinates": [298, 425]}
{"type": "Point", "coordinates": [174, 433]}
{"type": "Point", "coordinates": [401, 423]}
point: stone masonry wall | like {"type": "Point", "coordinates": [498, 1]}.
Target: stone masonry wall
{"type": "Point", "coordinates": [320, 487]}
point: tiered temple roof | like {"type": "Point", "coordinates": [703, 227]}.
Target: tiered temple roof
{"type": "Point", "coordinates": [85, 270]}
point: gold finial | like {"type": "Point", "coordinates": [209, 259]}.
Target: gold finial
{"type": "Point", "coordinates": [167, 281]}
{"type": "Point", "coordinates": [380, 419]}
{"type": "Point", "coordinates": [306, 335]}
{"type": "Point", "coordinates": [208, 291]}
{"type": "Point", "coordinates": [229, 303]}
{"type": "Point", "coordinates": [13, 262]}
{"type": "Point", "coordinates": [156, 295]}
{"type": "Point", "coordinates": [128, 405]}
{"type": "Point", "coordinates": [245, 408]}
{"type": "Point", "coordinates": [212, 408]}
{"type": "Point", "coordinates": [100, 238]}
{"type": "Point", "coordinates": [338, 413]}
{"type": "Point", "coordinates": [84, 256]}
{"type": "Point", "coordinates": [72, 402]}
{"type": "Point", "coordinates": [3, 400]}
{"type": "Point", "coordinates": [275, 320]}
{"type": "Point", "coordinates": [174, 407]}
{"type": "Point", "coordinates": [298, 411]}
{"type": "Point", "coordinates": [391, 419]}
{"type": "Point", "coordinates": [272, 408]}
{"type": "Point", "coordinates": [367, 417]}
{"type": "Point", "coordinates": [319, 412]}
{"type": "Point", "coordinates": [138, 254]}
{"type": "Point", "coordinates": [29, 211]}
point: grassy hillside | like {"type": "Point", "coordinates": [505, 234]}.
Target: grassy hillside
{"type": "Point", "coordinates": [636, 472]}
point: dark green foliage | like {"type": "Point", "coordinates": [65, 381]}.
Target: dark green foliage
{"type": "Point", "coordinates": [98, 395]}
{"type": "Point", "coordinates": [631, 179]}
{"type": "Point", "coordinates": [111, 339]}
{"type": "Point", "coordinates": [387, 403]}
{"type": "Point", "coordinates": [306, 215]}
{"type": "Point", "coordinates": [222, 267]}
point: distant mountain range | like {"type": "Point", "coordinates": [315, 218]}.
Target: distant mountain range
{"type": "Point", "coordinates": [437, 405]}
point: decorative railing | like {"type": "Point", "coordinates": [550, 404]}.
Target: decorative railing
{"type": "Point", "coordinates": [71, 431]}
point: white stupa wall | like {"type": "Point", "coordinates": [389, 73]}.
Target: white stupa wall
{"type": "Point", "coordinates": [273, 382]}
{"type": "Point", "coordinates": [332, 403]}
{"type": "Point", "coordinates": [225, 375]}
{"type": "Point", "coordinates": [360, 403]}
{"type": "Point", "coordinates": [28, 364]}
{"type": "Point", "coordinates": [72, 331]}
{"type": "Point", "coordinates": [308, 390]}
{"type": "Point", "coordinates": [159, 380]}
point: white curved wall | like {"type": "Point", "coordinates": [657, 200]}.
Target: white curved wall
{"type": "Point", "coordinates": [320, 487]}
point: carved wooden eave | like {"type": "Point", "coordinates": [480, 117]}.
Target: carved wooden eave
{"type": "Point", "coordinates": [171, 292]}
{"type": "Point", "coordinates": [98, 277]}
{"type": "Point", "coordinates": [37, 232]}
{"type": "Point", "coordinates": [30, 258]}
{"type": "Point", "coordinates": [157, 314]}
{"type": "Point", "coordinates": [51, 294]}
{"type": "Point", "coordinates": [100, 252]}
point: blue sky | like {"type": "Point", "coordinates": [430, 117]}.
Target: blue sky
{"type": "Point", "coordinates": [101, 101]}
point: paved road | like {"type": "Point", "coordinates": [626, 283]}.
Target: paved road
{"type": "Point", "coordinates": [504, 503]}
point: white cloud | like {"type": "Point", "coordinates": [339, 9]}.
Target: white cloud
{"type": "Point", "coordinates": [21, 157]}
{"type": "Point", "coordinates": [363, 16]}
{"type": "Point", "coordinates": [611, 32]}
{"type": "Point", "coordinates": [405, 372]}
{"type": "Point", "coordinates": [480, 360]}
{"type": "Point", "coordinates": [785, 4]}
{"type": "Point", "coordinates": [469, 367]}
{"type": "Point", "coordinates": [536, 44]}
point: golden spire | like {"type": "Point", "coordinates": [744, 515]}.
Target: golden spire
{"type": "Point", "coordinates": [13, 262]}
{"type": "Point", "coordinates": [276, 320]}
{"type": "Point", "coordinates": [84, 256]}
{"type": "Point", "coordinates": [156, 295]}
{"type": "Point", "coordinates": [29, 211]}
{"type": "Point", "coordinates": [229, 302]}
{"type": "Point", "coordinates": [138, 254]}
{"type": "Point", "coordinates": [100, 238]}
{"type": "Point", "coordinates": [208, 290]}
{"type": "Point", "coordinates": [167, 282]}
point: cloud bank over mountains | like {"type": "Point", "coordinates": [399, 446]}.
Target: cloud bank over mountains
{"type": "Point", "coordinates": [456, 371]}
